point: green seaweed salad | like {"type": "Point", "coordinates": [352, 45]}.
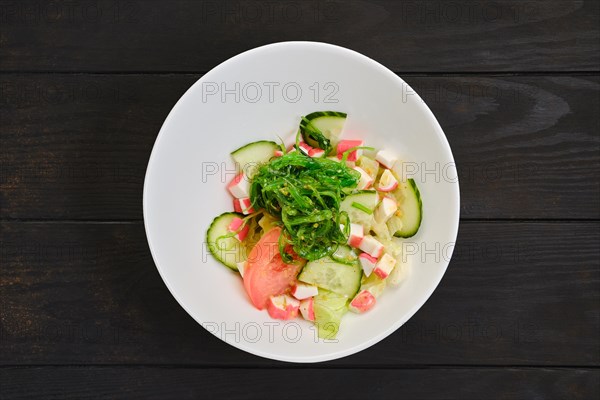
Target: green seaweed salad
{"type": "Point", "coordinates": [306, 194]}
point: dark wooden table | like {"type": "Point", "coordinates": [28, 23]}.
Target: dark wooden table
{"type": "Point", "coordinates": [85, 86]}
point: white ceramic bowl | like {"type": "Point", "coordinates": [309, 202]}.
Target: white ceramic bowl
{"type": "Point", "coordinates": [261, 94]}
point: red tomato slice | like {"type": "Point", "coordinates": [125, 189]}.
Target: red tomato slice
{"type": "Point", "coordinates": [266, 274]}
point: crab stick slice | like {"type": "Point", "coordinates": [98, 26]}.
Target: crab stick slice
{"type": "Point", "coordinates": [283, 307]}
{"type": "Point", "coordinates": [243, 206]}
{"type": "Point", "coordinates": [386, 208]}
{"type": "Point", "coordinates": [387, 182]}
{"type": "Point", "coordinates": [239, 187]}
{"type": "Point", "coordinates": [277, 153]}
{"type": "Point", "coordinates": [365, 180]}
{"type": "Point", "coordinates": [362, 302]}
{"type": "Point", "coordinates": [367, 263]}
{"type": "Point", "coordinates": [303, 291]}
{"type": "Point", "coordinates": [235, 224]}
{"type": "Point", "coordinates": [356, 235]}
{"type": "Point", "coordinates": [384, 266]}
{"type": "Point", "coordinates": [307, 309]}
{"type": "Point", "coordinates": [316, 153]}
{"type": "Point", "coordinates": [345, 145]}
{"type": "Point", "coordinates": [305, 148]}
{"type": "Point", "coordinates": [371, 246]}
{"type": "Point", "coordinates": [386, 158]}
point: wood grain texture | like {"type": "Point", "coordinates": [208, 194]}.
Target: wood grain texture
{"type": "Point", "coordinates": [514, 294]}
{"type": "Point", "coordinates": [76, 146]}
{"type": "Point", "coordinates": [179, 383]}
{"type": "Point", "coordinates": [136, 35]}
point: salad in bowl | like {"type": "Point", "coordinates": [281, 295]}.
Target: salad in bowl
{"type": "Point", "coordinates": [316, 226]}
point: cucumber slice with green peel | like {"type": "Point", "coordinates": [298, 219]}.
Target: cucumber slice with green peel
{"type": "Point", "coordinates": [228, 251]}
{"type": "Point", "coordinates": [334, 276]}
{"type": "Point", "coordinates": [323, 129]}
{"type": "Point", "coordinates": [345, 255]}
{"type": "Point", "coordinates": [366, 198]}
{"type": "Point", "coordinates": [411, 206]}
{"type": "Point", "coordinates": [329, 309]}
{"type": "Point", "coordinates": [250, 156]}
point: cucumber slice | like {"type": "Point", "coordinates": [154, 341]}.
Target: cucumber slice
{"type": "Point", "coordinates": [411, 206]}
{"type": "Point", "coordinates": [323, 129]}
{"type": "Point", "coordinates": [367, 198]}
{"type": "Point", "coordinates": [328, 274]}
{"type": "Point", "coordinates": [345, 255]}
{"type": "Point", "coordinates": [329, 308]}
{"type": "Point", "coordinates": [250, 156]}
{"type": "Point", "coordinates": [228, 251]}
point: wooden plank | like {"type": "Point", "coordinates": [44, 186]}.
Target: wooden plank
{"type": "Point", "coordinates": [514, 294]}
{"type": "Point", "coordinates": [69, 140]}
{"type": "Point", "coordinates": [192, 383]}
{"type": "Point", "coordinates": [76, 146]}
{"type": "Point", "coordinates": [129, 35]}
